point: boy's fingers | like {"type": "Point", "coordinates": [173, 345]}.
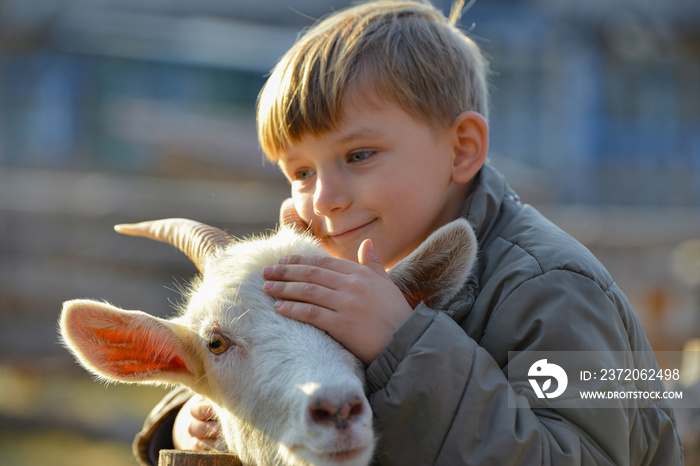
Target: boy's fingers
{"type": "Point", "coordinates": [304, 312]}
{"type": "Point", "coordinates": [324, 262]}
{"type": "Point", "coordinates": [205, 445]}
{"type": "Point", "coordinates": [367, 256]}
{"type": "Point", "coordinates": [201, 409]}
{"type": "Point", "coordinates": [314, 295]}
{"type": "Point", "coordinates": [303, 274]}
{"type": "Point", "coordinates": [208, 430]}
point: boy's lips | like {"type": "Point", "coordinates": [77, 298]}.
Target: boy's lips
{"type": "Point", "coordinates": [349, 232]}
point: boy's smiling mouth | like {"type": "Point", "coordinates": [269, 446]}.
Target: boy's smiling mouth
{"type": "Point", "coordinates": [349, 232]}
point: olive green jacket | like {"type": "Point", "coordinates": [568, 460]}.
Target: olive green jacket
{"type": "Point", "coordinates": [439, 390]}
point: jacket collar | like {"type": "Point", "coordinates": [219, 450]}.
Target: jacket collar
{"type": "Point", "coordinates": [482, 206]}
{"type": "Point", "coordinates": [484, 210]}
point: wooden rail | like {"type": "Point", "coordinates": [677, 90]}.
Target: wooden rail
{"type": "Point", "coordinates": [197, 458]}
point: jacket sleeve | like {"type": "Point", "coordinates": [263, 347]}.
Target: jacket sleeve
{"type": "Point", "coordinates": [441, 398]}
{"type": "Point", "coordinates": [157, 431]}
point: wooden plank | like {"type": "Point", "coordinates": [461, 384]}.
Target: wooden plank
{"type": "Point", "coordinates": [197, 458]}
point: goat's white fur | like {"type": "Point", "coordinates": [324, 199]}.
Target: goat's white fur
{"type": "Point", "coordinates": [276, 368]}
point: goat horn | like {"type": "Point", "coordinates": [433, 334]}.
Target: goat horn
{"type": "Point", "coordinates": [197, 240]}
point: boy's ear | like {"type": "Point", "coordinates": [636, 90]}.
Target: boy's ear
{"type": "Point", "coordinates": [470, 131]}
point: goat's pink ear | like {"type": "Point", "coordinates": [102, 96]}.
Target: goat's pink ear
{"type": "Point", "coordinates": [436, 270]}
{"type": "Point", "coordinates": [126, 346]}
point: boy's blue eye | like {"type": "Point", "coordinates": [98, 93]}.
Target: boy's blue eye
{"type": "Point", "coordinates": [303, 174]}
{"type": "Point", "coordinates": [359, 156]}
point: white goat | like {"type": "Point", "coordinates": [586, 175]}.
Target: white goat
{"type": "Point", "coordinates": [285, 392]}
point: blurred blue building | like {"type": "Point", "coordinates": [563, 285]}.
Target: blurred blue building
{"type": "Point", "coordinates": [593, 103]}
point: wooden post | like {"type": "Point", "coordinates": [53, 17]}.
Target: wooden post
{"type": "Point", "coordinates": [690, 363]}
{"type": "Point", "coordinates": [197, 458]}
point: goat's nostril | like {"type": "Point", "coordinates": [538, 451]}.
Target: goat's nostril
{"type": "Point", "coordinates": [321, 414]}
{"type": "Point", "coordinates": [356, 408]}
{"type": "Point", "coordinates": [339, 415]}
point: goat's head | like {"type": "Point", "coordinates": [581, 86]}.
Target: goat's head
{"type": "Point", "coordinates": [285, 391]}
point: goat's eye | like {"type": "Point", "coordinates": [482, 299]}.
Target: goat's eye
{"type": "Point", "coordinates": [218, 344]}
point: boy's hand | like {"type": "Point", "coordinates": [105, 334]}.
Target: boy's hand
{"type": "Point", "coordinates": [196, 426]}
{"type": "Point", "coordinates": [357, 304]}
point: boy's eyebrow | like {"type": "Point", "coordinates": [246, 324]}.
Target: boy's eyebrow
{"type": "Point", "coordinates": [285, 158]}
{"type": "Point", "coordinates": [358, 133]}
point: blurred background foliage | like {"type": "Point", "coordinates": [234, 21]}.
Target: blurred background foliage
{"type": "Point", "coordinates": [121, 110]}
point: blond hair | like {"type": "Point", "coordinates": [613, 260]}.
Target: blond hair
{"type": "Point", "coordinates": [404, 51]}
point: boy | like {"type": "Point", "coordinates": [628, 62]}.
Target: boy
{"type": "Point", "coordinates": [377, 116]}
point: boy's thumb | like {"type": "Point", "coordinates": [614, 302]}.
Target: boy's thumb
{"type": "Point", "coordinates": [367, 256]}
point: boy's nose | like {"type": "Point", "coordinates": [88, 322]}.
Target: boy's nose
{"type": "Point", "coordinates": [330, 195]}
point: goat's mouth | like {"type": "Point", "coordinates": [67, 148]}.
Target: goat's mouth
{"type": "Point", "coordinates": [344, 455]}
{"type": "Point", "coordinates": [355, 455]}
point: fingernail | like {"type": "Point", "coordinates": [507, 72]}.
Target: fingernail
{"type": "Point", "coordinates": [278, 305]}
{"type": "Point", "coordinates": [268, 270]}
{"type": "Point", "coordinates": [268, 286]}
{"type": "Point", "coordinates": [284, 260]}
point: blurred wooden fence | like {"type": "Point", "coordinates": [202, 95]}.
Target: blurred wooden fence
{"type": "Point", "coordinates": [57, 242]}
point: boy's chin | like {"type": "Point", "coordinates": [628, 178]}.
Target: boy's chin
{"type": "Point", "coordinates": [350, 252]}
{"type": "Point", "coordinates": [347, 254]}
{"type": "Point", "coordinates": [344, 251]}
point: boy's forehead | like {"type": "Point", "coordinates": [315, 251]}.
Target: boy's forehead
{"type": "Point", "coordinates": [364, 117]}
{"type": "Point", "coordinates": [358, 119]}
